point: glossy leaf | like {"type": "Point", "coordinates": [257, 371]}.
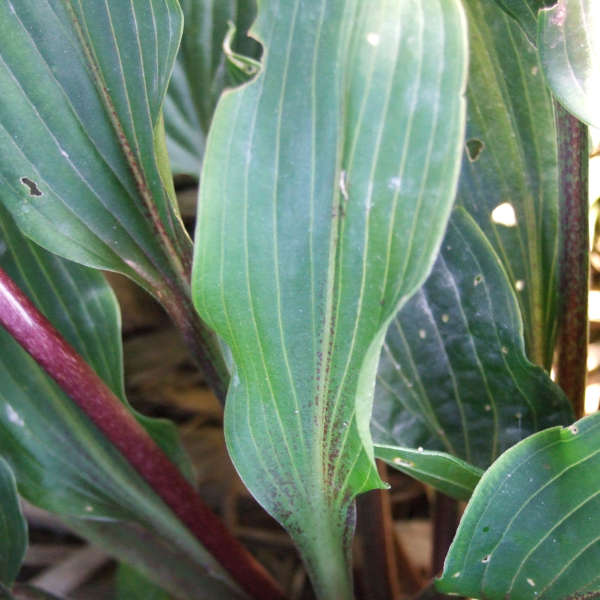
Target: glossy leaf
{"type": "Point", "coordinates": [13, 527]}
{"type": "Point", "coordinates": [325, 191]}
{"type": "Point", "coordinates": [82, 85]}
{"type": "Point", "coordinates": [453, 374]}
{"type": "Point", "coordinates": [201, 74]}
{"type": "Point", "coordinates": [531, 528]}
{"type": "Point", "coordinates": [569, 46]}
{"type": "Point", "coordinates": [446, 473]}
{"type": "Point", "coordinates": [61, 461]}
{"type": "Point", "coordinates": [509, 178]}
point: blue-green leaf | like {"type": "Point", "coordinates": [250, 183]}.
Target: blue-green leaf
{"type": "Point", "coordinates": [453, 375]}
{"type": "Point", "coordinates": [531, 529]}
{"type": "Point", "coordinates": [446, 473]}
{"type": "Point", "coordinates": [81, 164]}
{"type": "Point", "coordinates": [325, 191]}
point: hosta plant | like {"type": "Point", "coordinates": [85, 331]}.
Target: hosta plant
{"type": "Point", "coordinates": [389, 254]}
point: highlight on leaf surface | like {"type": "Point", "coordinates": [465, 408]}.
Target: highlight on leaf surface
{"type": "Point", "coordinates": [325, 191]}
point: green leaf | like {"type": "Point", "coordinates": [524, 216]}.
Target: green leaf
{"type": "Point", "coordinates": [61, 461]}
{"type": "Point", "coordinates": [509, 178]}
{"type": "Point", "coordinates": [82, 85]}
{"type": "Point", "coordinates": [82, 306]}
{"type": "Point", "coordinates": [13, 527]}
{"type": "Point", "coordinates": [325, 191]}
{"type": "Point", "coordinates": [531, 529]}
{"type": "Point", "coordinates": [201, 74]}
{"type": "Point", "coordinates": [131, 585]}
{"type": "Point", "coordinates": [453, 374]}
{"type": "Point", "coordinates": [569, 46]}
{"type": "Point", "coordinates": [446, 473]}
{"type": "Point", "coordinates": [525, 12]}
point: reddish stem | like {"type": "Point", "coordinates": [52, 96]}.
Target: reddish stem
{"type": "Point", "coordinates": [376, 529]}
{"type": "Point", "coordinates": [45, 344]}
{"type": "Point", "coordinates": [445, 524]}
{"type": "Point", "coordinates": [571, 367]}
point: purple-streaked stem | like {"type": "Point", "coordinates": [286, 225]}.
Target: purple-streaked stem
{"type": "Point", "coordinates": [80, 382]}
{"type": "Point", "coordinates": [571, 368]}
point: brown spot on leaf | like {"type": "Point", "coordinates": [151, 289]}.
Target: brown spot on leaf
{"type": "Point", "coordinates": [34, 190]}
{"type": "Point", "coordinates": [474, 149]}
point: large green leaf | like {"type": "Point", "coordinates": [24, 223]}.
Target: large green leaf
{"type": "Point", "coordinates": [453, 374]}
{"type": "Point", "coordinates": [326, 188]}
{"type": "Point", "coordinates": [82, 85]}
{"type": "Point", "coordinates": [200, 75]}
{"type": "Point", "coordinates": [13, 527]}
{"type": "Point", "coordinates": [569, 46]}
{"type": "Point", "coordinates": [61, 461]}
{"type": "Point", "coordinates": [531, 529]}
{"type": "Point", "coordinates": [509, 179]}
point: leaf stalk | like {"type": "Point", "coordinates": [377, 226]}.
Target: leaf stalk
{"type": "Point", "coordinates": [571, 368]}
{"type": "Point", "coordinates": [79, 381]}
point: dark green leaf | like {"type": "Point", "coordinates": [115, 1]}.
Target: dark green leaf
{"type": "Point", "coordinates": [82, 85]}
{"type": "Point", "coordinates": [453, 374]}
{"type": "Point", "coordinates": [531, 530]}
{"type": "Point", "coordinates": [81, 305]}
{"type": "Point", "coordinates": [13, 527]}
{"type": "Point", "coordinates": [509, 178]}
{"type": "Point", "coordinates": [325, 191]}
{"type": "Point", "coordinates": [448, 474]}
{"type": "Point", "coordinates": [131, 585]}
{"type": "Point", "coordinates": [569, 46]}
{"type": "Point", "coordinates": [61, 461]}
{"type": "Point", "coordinates": [525, 12]}
{"type": "Point", "coordinates": [201, 74]}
